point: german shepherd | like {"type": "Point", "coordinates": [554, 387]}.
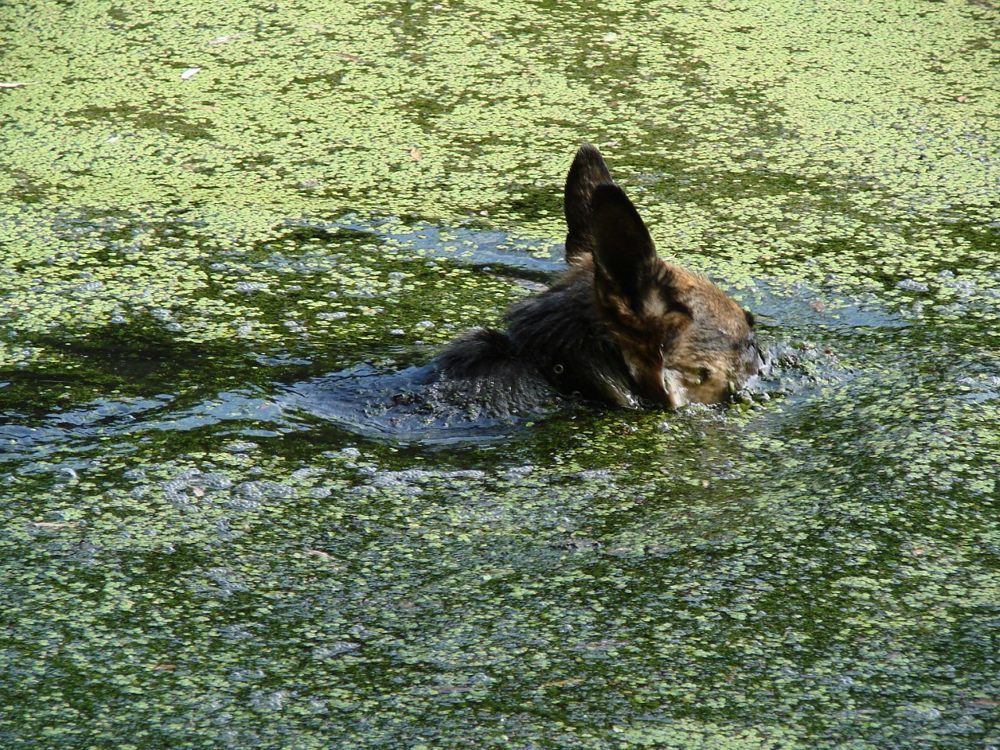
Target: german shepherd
{"type": "Point", "coordinates": [620, 326]}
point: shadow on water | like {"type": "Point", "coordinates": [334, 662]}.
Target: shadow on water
{"type": "Point", "coordinates": [382, 391]}
{"type": "Point", "coordinates": [393, 404]}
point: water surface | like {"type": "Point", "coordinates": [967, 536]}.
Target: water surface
{"type": "Point", "coordinates": [229, 232]}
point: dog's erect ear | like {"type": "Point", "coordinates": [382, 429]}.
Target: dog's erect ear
{"type": "Point", "coordinates": [588, 171]}
{"type": "Point", "coordinates": [636, 294]}
{"type": "Point", "coordinates": [624, 256]}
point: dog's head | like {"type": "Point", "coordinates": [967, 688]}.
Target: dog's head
{"type": "Point", "coordinates": [682, 338]}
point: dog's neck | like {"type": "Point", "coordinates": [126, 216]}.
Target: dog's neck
{"type": "Point", "coordinates": [560, 333]}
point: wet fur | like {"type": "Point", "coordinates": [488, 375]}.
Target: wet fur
{"type": "Point", "coordinates": [558, 336]}
{"type": "Point", "coordinates": [621, 326]}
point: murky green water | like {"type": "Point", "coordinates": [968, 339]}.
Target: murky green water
{"type": "Point", "coordinates": [225, 227]}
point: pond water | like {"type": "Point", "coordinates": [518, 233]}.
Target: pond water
{"type": "Point", "coordinates": [232, 233]}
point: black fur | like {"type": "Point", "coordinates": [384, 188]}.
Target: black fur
{"type": "Point", "coordinates": [623, 250]}
{"type": "Point", "coordinates": [557, 336]}
{"type": "Point", "coordinates": [587, 172]}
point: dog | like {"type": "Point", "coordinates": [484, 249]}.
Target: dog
{"type": "Point", "coordinates": [621, 326]}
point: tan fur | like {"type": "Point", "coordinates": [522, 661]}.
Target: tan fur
{"type": "Point", "coordinates": [688, 340]}
{"type": "Point", "coordinates": [704, 359]}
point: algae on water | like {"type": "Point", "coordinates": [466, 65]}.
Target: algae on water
{"type": "Point", "coordinates": [206, 206]}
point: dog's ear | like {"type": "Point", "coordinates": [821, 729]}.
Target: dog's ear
{"type": "Point", "coordinates": [625, 261]}
{"type": "Point", "coordinates": [636, 293]}
{"type": "Point", "coordinates": [587, 172]}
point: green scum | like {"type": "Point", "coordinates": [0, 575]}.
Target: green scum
{"type": "Point", "coordinates": [205, 205]}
